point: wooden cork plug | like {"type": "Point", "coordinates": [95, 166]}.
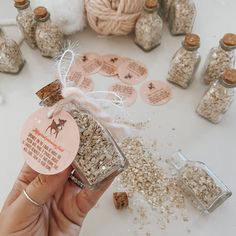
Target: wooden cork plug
{"type": "Point", "coordinates": [230, 39]}
{"type": "Point", "coordinates": [21, 3]}
{"type": "Point", "coordinates": [120, 200]}
{"type": "Point", "coordinates": [151, 3]}
{"type": "Point", "coordinates": [40, 12]}
{"type": "Point", "coordinates": [230, 76]}
{"type": "Point", "coordinates": [192, 40]}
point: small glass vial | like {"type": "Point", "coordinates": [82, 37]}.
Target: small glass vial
{"type": "Point", "coordinates": [11, 59]}
{"type": "Point", "coordinates": [185, 62]}
{"type": "Point", "coordinates": [26, 22]}
{"type": "Point", "coordinates": [99, 157]}
{"type": "Point", "coordinates": [218, 98]}
{"type": "Point", "coordinates": [165, 8]}
{"type": "Point", "coordinates": [148, 29]}
{"type": "Point", "coordinates": [204, 188]}
{"type": "Point", "coordinates": [182, 16]}
{"type": "Point", "coordinates": [220, 58]}
{"type": "Point", "coordinates": [48, 36]}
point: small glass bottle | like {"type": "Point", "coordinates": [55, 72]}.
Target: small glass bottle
{"type": "Point", "coordinates": [220, 58]}
{"type": "Point", "coordinates": [48, 36]}
{"type": "Point", "coordinates": [148, 29]}
{"type": "Point", "coordinates": [99, 157]}
{"type": "Point", "coordinates": [182, 16]}
{"type": "Point", "coordinates": [218, 98]}
{"type": "Point", "coordinates": [185, 62]}
{"type": "Point", "coordinates": [165, 8]}
{"type": "Point", "coordinates": [204, 188]}
{"type": "Point", "coordinates": [26, 22]}
{"type": "Point", "coordinates": [11, 59]}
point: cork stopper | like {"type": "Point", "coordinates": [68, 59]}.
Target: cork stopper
{"type": "Point", "coordinates": [229, 39]}
{"type": "Point", "coordinates": [120, 200]}
{"type": "Point", "coordinates": [41, 13]}
{"type": "Point", "coordinates": [22, 4]}
{"type": "Point", "coordinates": [51, 93]}
{"type": "Point", "coordinates": [151, 4]}
{"type": "Point", "coordinates": [230, 76]}
{"type": "Point", "coordinates": [192, 40]}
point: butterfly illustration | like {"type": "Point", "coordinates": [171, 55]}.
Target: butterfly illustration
{"type": "Point", "coordinates": [128, 76]}
{"type": "Point", "coordinates": [113, 60]}
{"type": "Point", "coordinates": [151, 86]}
{"type": "Point", "coordinates": [84, 59]}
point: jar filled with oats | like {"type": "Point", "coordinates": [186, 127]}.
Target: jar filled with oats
{"type": "Point", "coordinates": [148, 29]}
{"type": "Point", "coordinates": [185, 62]}
{"type": "Point", "coordinates": [218, 98]}
{"type": "Point", "coordinates": [48, 36]}
{"type": "Point", "coordinates": [99, 157]}
{"type": "Point", "coordinates": [220, 58]}
{"type": "Point", "coordinates": [165, 8]}
{"type": "Point", "coordinates": [205, 189]}
{"type": "Point", "coordinates": [26, 22]}
{"type": "Point", "coordinates": [11, 59]}
{"type": "Point", "coordinates": [182, 16]}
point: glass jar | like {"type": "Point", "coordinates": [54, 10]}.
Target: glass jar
{"type": "Point", "coordinates": [11, 59]}
{"type": "Point", "coordinates": [218, 98]}
{"type": "Point", "coordinates": [99, 157]}
{"type": "Point", "coordinates": [220, 58]}
{"type": "Point", "coordinates": [182, 16]}
{"type": "Point", "coordinates": [185, 62]}
{"type": "Point", "coordinates": [148, 29]}
{"type": "Point", "coordinates": [165, 8]}
{"type": "Point", "coordinates": [204, 188]}
{"type": "Point", "coordinates": [48, 36]}
{"type": "Point", "coordinates": [26, 22]}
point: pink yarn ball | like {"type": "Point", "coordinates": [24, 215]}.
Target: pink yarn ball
{"type": "Point", "coordinates": [113, 17]}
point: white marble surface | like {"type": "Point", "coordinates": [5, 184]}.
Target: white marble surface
{"type": "Point", "coordinates": [199, 139]}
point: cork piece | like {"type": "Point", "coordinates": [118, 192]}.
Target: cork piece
{"type": "Point", "coordinates": [230, 76]}
{"type": "Point", "coordinates": [192, 40]}
{"type": "Point", "coordinates": [120, 200]}
{"type": "Point", "coordinates": [230, 39]}
{"type": "Point", "coordinates": [22, 4]}
{"type": "Point", "coordinates": [151, 3]}
{"type": "Point", "coordinates": [40, 12]}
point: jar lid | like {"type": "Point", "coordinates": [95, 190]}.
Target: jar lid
{"type": "Point", "coordinates": [192, 40]}
{"type": "Point", "coordinates": [22, 4]}
{"type": "Point", "coordinates": [230, 76]}
{"type": "Point", "coordinates": [151, 4]}
{"type": "Point", "coordinates": [229, 39]}
{"type": "Point", "coordinates": [41, 13]}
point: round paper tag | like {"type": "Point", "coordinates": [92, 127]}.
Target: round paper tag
{"type": "Point", "coordinates": [87, 85]}
{"type": "Point", "coordinates": [132, 72]}
{"type": "Point", "coordinates": [128, 93]}
{"type": "Point", "coordinates": [90, 62]}
{"type": "Point", "coordinates": [110, 66]}
{"type": "Point", "coordinates": [155, 92]}
{"type": "Point", "coordinates": [50, 145]}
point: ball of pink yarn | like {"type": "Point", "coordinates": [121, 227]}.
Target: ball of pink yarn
{"type": "Point", "coordinates": [113, 17]}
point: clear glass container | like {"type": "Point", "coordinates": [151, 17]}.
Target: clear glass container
{"type": "Point", "coordinates": [165, 8]}
{"type": "Point", "coordinates": [205, 189]}
{"type": "Point", "coordinates": [218, 98]}
{"type": "Point", "coordinates": [49, 38]}
{"type": "Point", "coordinates": [185, 62]}
{"type": "Point", "coordinates": [26, 22]}
{"type": "Point", "coordinates": [99, 157]}
{"type": "Point", "coordinates": [11, 59]}
{"type": "Point", "coordinates": [182, 16]}
{"type": "Point", "coordinates": [148, 29]}
{"type": "Point", "coordinates": [219, 59]}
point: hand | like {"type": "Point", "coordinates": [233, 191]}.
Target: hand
{"type": "Point", "coordinates": [64, 205]}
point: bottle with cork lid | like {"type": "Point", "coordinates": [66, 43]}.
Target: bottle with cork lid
{"type": "Point", "coordinates": [26, 22]}
{"type": "Point", "coordinates": [220, 58]}
{"type": "Point", "coordinates": [182, 15]}
{"type": "Point", "coordinates": [218, 98]}
{"type": "Point", "coordinates": [149, 27]}
{"type": "Point", "coordinates": [48, 36]}
{"type": "Point", "coordinates": [11, 59]}
{"type": "Point", "coordinates": [185, 62]}
{"type": "Point", "coordinates": [99, 157]}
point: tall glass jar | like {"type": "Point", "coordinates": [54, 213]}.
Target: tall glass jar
{"type": "Point", "coordinates": [220, 58]}
{"type": "Point", "coordinates": [99, 157]}
{"type": "Point", "coordinates": [48, 36]}
{"type": "Point", "coordinates": [218, 98]}
{"type": "Point", "coordinates": [182, 16]}
{"type": "Point", "coordinates": [11, 59]}
{"type": "Point", "coordinates": [165, 8]}
{"type": "Point", "coordinates": [148, 29]}
{"type": "Point", "coordinates": [26, 22]}
{"type": "Point", "coordinates": [185, 62]}
{"type": "Point", "coordinates": [205, 189]}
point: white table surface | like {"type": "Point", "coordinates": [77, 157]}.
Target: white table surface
{"type": "Point", "coordinates": [200, 140]}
